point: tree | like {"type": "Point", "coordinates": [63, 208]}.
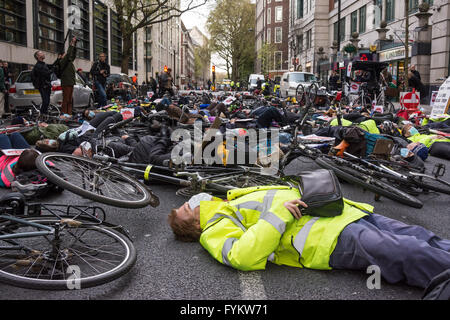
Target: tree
{"type": "Point", "coordinates": [267, 57]}
{"type": "Point", "coordinates": [137, 14]}
{"type": "Point", "coordinates": [202, 59]}
{"type": "Point", "coordinates": [231, 26]}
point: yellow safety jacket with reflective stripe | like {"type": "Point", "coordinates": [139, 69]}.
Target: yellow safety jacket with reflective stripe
{"type": "Point", "coordinates": [369, 125]}
{"type": "Point", "coordinates": [254, 227]}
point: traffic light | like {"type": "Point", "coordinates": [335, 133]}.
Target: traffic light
{"type": "Point", "coordinates": [365, 56]}
{"type": "Point", "coordinates": [213, 69]}
{"type": "Point", "coordinates": [166, 69]}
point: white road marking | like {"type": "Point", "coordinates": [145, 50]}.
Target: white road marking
{"type": "Point", "coordinates": [252, 287]}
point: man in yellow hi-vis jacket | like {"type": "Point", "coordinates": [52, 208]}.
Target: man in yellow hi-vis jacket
{"type": "Point", "coordinates": [261, 224]}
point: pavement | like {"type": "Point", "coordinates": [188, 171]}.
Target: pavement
{"type": "Point", "coordinates": [170, 270]}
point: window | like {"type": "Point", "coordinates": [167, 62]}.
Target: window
{"type": "Point", "coordinates": [309, 39]}
{"type": "Point", "coordinates": [342, 31]}
{"type": "Point", "coordinates": [278, 35]}
{"type": "Point", "coordinates": [83, 45]}
{"type": "Point", "coordinates": [354, 22]}
{"type": "Point", "coordinates": [49, 34]}
{"type": "Point", "coordinates": [269, 35]}
{"type": "Point", "coordinates": [116, 40]}
{"type": "Point", "coordinates": [413, 6]}
{"type": "Point", "coordinates": [390, 10]}
{"type": "Point", "coordinates": [362, 19]}
{"type": "Point", "coordinates": [269, 16]}
{"type": "Point", "coordinates": [306, 7]}
{"type": "Point", "coordinates": [299, 9]}
{"type": "Point", "coordinates": [13, 21]}
{"type": "Point", "coordinates": [278, 14]}
{"type": "Point", "coordinates": [100, 28]}
{"type": "Point", "coordinates": [300, 43]}
{"type": "Point", "coordinates": [278, 60]}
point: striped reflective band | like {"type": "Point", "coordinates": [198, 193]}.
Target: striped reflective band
{"type": "Point", "coordinates": [300, 239]}
{"type": "Point", "coordinates": [236, 221]}
{"type": "Point", "coordinates": [226, 248]}
{"type": "Point", "coordinates": [251, 205]}
{"type": "Point", "coordinates": [8, 175]}
{"type": "Point", "coordinates": [271, 258]}
{"type": "Point", "coordinates": [276, 222]}
{"type": "Point", "coordinates": [147, 172]}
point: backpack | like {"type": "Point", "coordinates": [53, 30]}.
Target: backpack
{"type": "Point", "coordinates": [57, 69]}
{"type": "Point", "coordinates": [439, 287]}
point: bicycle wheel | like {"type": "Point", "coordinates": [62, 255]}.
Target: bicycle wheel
{"type": "Point", "coordinates": [78, 255]}
{"type": "Point", "coordinates": [368, 182]}
{"type": "Point", "coordinates": [94, 180]}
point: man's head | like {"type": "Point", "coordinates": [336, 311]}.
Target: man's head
{"type": "Point", "coordinates": [169, 70]}
{"type": "Point", "coordinates": [409, 130]}
{"type": "Point", "coordinates": [102, 57]}
{"type": "Point", "coordinates": [26, 162]}
{"type": "Point", "coordinates": [412, 68]}
{"type": "Point", "coordinates": [39, 56]}
{"type": "Point", "coordinates": [185, 223]}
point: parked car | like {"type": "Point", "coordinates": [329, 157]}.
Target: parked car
{"type": "Point", "coordinates": [119, 84]}
{"type": "Point", "coordinates": [253, 81]}
{"type": "Point", "coordinates": [291, 80]}
{"type": "Point", "coordinates": [22, 93]}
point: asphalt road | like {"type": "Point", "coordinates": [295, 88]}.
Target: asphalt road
{"type": "Point", "coordinates": [167, 269]}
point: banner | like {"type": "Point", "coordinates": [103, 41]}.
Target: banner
{"type": "Point", "coordinates": [442, 103]}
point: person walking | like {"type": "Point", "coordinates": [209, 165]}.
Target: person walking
{"type": "Point", "coordinates": [68, 76]}
{"type": "Point", "coordinates": [100, 71]}
{"type": "Point", "coordinates": [166, 83]}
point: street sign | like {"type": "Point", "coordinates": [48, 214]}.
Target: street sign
{"type": "Point", "coordinates": [442, 103]}
{"type": "Point", "coordinates": [127, 113]}
{"type": "Point", "coordinates": [410, 100]}
{"type": "Point", "coordinates": [354, 87]}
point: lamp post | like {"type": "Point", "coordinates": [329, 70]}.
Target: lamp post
{"type": "Point", "coordinates": [320, 53]}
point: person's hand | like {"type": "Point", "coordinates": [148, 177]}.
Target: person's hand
{"type": "Point", "coordinates": [293, 207]}
{"type": "Point", "coordinates": [125, 137]}
{"type": "Point", "coordinates": [73, 42]}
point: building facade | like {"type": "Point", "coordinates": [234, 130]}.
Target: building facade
{"type": "Point", "coordinates": [30, 25]}
{"type": "Point", "coordinates": [272, 32]}
{"type": "Point", "coordinates": [200, 40]}
{"type": "Point", "coordinates": [187, 59]}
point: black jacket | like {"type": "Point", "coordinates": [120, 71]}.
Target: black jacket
{"type": "Point", "coordinates": [41, 75]}
{"type": "Point", "coordinates": [95, 71]}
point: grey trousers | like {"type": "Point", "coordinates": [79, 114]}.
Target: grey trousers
{"type": "Point", "coordinates": [404, 253]}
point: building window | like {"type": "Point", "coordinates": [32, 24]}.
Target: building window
{"type": "Point", "coordinates": [354, 22]}
{"type": "Point", "coordinates": [278, 35]}
{"type": "Point", "coordinates": [83, 45]}
{"type": "Point", "coordinates": [269, 16]}
{"type": "Point", "coordinates": [278, 14]}
{"type": "Point", "coordinates": [299, 9]}
{"type": "Point", "coordinates": [390, 10]}
{"type": "Point", "coordinates": [342, 31]}
{"type": "Point", "coordinates": [306, 7]}
{"type": "Point", "coordinates": [116, 41]}
{"type": "Point", "coordinates": [413, 6]}
{"type": "Point", "coordinates": [13, 21]}
{"type": "Point", "coordinates": [50, 20]}
{"type": "Point", "coordinates": [278, 60]}
{"type": "Point", "coordinates": [309, 39]}
{"type": "Point", "coordinates": [100, 28]}
{"type": "Point", "coordinates": [362, 19]}
{"type": "Point", "coordinates": [148, 33]}
{"type": "Point", "coordinates": [269, 35]}
{"type": "Point", "coordinates": [300, 44]}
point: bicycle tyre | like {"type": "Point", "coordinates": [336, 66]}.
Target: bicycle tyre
{"type": "Point", "coordinates": [117, 199]}
{"type": "Point", "coordinates": [123, 267]}
{"type": "Point", "coordinates": [377, 186]}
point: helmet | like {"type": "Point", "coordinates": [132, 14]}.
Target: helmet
{"type": "Point", "coordinates": [387, 128]}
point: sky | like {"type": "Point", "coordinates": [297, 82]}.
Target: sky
{"type": "Point", "coordinates": [198, 17]}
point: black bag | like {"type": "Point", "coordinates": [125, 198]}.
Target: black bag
{"type": "Point", "coordinates": [439, 287]}
{"type": "Point", "coordinates": [321, 191]}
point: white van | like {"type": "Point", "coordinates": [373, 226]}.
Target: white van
{"type": "Point", "coordinates": [253, 79]}
{"type": "Point", "coordinates": [291, 80]}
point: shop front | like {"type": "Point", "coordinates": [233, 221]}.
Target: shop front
{"type": "Point", "coordinates": [396, 60]}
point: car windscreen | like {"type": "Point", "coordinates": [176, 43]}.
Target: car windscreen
{"type": "Point", "coordinates": [301, 77]}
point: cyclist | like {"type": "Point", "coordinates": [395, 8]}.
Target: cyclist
{"type": "Point", "coordinates": [262, 224]}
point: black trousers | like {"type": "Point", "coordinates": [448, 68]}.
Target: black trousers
{"type": "Point", "coordinates": [45, 96]}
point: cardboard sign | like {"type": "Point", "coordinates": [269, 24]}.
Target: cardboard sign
{"type": "Point", "coordinates": [379, 109]}
{"type": "Point", "coordinates": [442, 103]}
{"type": "Point", "coordinates": [349, 70]}
{"type": "Point", "coordinates": [354, 87]}
{"type": "Point", "coordinates": [127, 113]}
{"type": "Point", "coordinates": [13, 152]}
{"type": "Point", "coordinates": [229, 101]}
{"type": "Point", "coordinates": [150, 94]}
{"type": "Point", "coordinates": [433, 98]}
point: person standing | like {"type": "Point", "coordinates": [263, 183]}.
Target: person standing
{"type": "Point", "coordinates": [41, 78]}
{"type": "Point", "coordinates": [100, 71]}
{"type": "Point", "coordinates": [166, 83]}
{"type": "Point", "coordinates": [2, 92]}
{"type": "Point", "coordinates": [68, 76]}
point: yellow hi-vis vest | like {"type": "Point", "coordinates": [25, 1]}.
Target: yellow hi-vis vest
{"type": "Point", "coordinates": [254, 227]}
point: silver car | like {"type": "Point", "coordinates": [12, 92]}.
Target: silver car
{"type": "Point", "coordinates": [291, 80]}
{"type": "Point", "coordinates": [23, 93]}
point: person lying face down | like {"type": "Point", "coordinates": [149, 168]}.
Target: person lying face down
{"type": "Point", "coordinates": [261, 224]}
